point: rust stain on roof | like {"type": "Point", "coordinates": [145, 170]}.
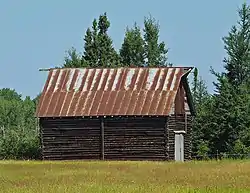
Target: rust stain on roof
{"type": "Point", "coordinates": [109, 91]}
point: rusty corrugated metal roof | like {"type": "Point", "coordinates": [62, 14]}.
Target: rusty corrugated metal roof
{"type": "Point", "coordinates": [109, 91]}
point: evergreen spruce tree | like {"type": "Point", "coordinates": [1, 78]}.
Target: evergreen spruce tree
{"type": "Point", "coordinates": [237, 46]}
{"type": "Point", "coordinates": [155, 52]}
{"type": "Point", "coordinates": [228, 118]}
{"type": "Point", "coordinates": [98, 47]}
{"type": "Point", "coordinates": [107, 55]}
{"type": "Point", "coordinates": [202, 102]}
{"type": "Point", "coordinates": [90, 54]}
{"type": "Point", "coordinates": [132, 50]}
{"type": "Point", "coordinates": [224, 120]}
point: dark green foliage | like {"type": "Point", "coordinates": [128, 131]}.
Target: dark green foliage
{"type": "Point", "coordinates": [90, 56]}
{"type": "Point", "coordinates": [146, 50]}
{"type": "Point", "coordinates": [132, 50]}
{"type": "Point", "coordinates": [107, 56]}
{"type": "Point", "coordinates": [203, 103]}
{"type": "Point", "coordinates": [203, 149]}
{"type": "Point", "coordinates": [226, 117]}
{"type": "Point", "coordinates": [241, 148]}
{"type": "Point", "coordinates": [19, 144]}
{"type": "Point", "coordinates": [237, 45]}
{"type": "Point", "coordinates": [223, 120]}
{"type": "Point", "coordinates": [231, 106]}
{"type": "Point", "coordinates": [19, 137]}
{"type": "Point", "coordinates": [73, 60]}
{"type": "Point", "coordinates": [136, 49]}
{"type": "Point", "coordinates": [8, 94]}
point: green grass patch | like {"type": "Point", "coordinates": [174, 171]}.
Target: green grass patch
{"type": "Point", "coordinates": [106, 176]}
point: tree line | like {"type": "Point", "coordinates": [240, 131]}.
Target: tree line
{"type": "Point", "coordinates": [138, 49]}
{"type": "Point", "coordinates": [222, 121]}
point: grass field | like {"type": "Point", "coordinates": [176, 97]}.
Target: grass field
{"type": "Point", "coordinates": [82, 176]}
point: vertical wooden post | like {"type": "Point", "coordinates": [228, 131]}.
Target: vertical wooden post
{"type": "Point", "coordinates": [102, 138]}
{"type": "Point", "coordinates": [166, 139]}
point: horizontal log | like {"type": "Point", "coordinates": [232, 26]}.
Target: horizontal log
{"type": "Point", "coordinates": [72, 136]}
{"type": "Point", "coordinates": [134, 131]}
{"type": "Point", "coordinates": [134, 149]}
{"type": "Point", "coordinates": [62, 142]}
{"type": "Point", "coordinates": [71, 151]}
{"type": "Point", "coordinates": [76, 142]}
{"type": "Point", "coordinates": [110, 146]}
{"type": "Point", "coordinates": [70, 130]}
{"type": "Point", "coordinates": [59, 133]}
{"type": "Point", "coordinates": [107, 156]}
{"type": "Point", "coordinates": [70, 125]}
{"type": "Point", "coordinates": [90, 147]}
{"type": "Point", "coordinates": [135, 153]}
{"type": "Point", "coordinates": [75, 156]}
{"type": "Point", "coordinates": [130, 139]}
{"type": "Point", "coordinates": [143, 157]}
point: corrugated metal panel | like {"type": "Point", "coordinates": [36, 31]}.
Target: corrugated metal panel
{"type": "Point", "coordinates": [109, 91]}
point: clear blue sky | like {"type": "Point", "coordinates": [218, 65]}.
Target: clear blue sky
{"type": "Point", "coordinates": [36, 34]}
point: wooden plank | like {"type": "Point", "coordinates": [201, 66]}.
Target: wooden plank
{"type": "Point", "coordinates": [102, 139]}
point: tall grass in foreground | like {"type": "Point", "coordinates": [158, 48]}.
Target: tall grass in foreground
{"type": "Point", "coordinates": [97, 176]}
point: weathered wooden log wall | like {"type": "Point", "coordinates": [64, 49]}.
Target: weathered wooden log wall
{"type": "Point", "coordinates": [135, 138]}
{"type": "Point", "coordinates": [65, 139]}
{"type": "Point", "coordinates": [125, 138]}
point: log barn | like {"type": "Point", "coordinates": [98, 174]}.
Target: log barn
{"type": "Point", "coordinates": [125, 113]}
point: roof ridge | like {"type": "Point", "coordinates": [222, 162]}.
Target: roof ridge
{"type": "Point", "coordinates": [123, 67]}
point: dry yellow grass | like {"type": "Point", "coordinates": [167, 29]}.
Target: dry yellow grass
{"type": "Point", "coordinates": [97, 176]}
